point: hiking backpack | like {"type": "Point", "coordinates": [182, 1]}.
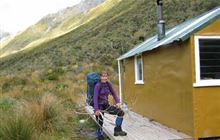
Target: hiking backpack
{"type": "Point", "coordinates": [92, 79]}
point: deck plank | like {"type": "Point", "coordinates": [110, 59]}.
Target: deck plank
{"type": "Point", "coordinates": [139, 128]}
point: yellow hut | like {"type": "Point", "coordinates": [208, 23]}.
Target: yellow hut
{"type": "Point", "coordinates": [175, 80]}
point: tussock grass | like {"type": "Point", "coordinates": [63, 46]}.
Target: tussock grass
{"type": "Point", "coordinates": [46, 107]}
{"type": "Point", "coordinates": [42, 118]}
{"type": "Point", "coordinates": [16, 128]}
{"type": "Point", "coordinates": [45, 112]}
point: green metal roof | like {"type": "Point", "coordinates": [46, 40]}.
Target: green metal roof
{"type": "Point", "coordinates": [180, 32]}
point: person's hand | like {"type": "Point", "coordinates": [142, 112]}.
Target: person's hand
{"type": "Point", "coordinates": [97, 113]}
{"type": "Point", "coordinates": [118, 105]}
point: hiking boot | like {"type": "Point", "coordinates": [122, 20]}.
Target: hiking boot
{"type": "Point", "coordinates": [119, 132]}
{"type": "Point", "coordinates": [100, 137]}
{"type": "Point", "coordinates": [99, 134]}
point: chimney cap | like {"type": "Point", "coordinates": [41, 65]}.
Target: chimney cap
{"type": "Point", "coordinates": [159, 2]}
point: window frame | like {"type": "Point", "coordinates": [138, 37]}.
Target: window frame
{"type": "Point", "coordinates": [137, 81]}
{"type": "Point", "coordinates": [198, 81]}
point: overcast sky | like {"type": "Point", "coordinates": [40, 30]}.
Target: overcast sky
{"type": "Point", "coordinates": [16, 15]}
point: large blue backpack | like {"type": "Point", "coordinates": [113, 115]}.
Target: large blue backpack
{"type": "Point", "coordinates": [92, 79]}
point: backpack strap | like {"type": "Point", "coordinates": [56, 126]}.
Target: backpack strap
{"type": "Point", "coordinates": [109, 86]}
{"type": "Point", "coordinates": [100, 87]}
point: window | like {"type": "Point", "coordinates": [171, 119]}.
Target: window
{"type": "Point", "coordinates": [139, 70]}
{"type": "Point", "coordinates": [207, 55]}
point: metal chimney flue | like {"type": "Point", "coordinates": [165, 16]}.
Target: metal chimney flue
{"type": "Point", "coordinates": [160, 21]}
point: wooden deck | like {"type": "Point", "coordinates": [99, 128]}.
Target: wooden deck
{"type": "Point", "coordinates": [139, 128]}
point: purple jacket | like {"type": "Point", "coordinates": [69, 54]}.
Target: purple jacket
{"type": "Point", "coordinates": [101, 92]}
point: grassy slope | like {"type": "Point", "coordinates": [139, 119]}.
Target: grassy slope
{"type": "Point", "coordinates": [103, 39]}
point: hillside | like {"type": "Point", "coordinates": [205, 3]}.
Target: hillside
{"type": "Point", "coordinates": [50, 26]}
{"type": "Point", "coordinates": [103, 39]}
{"type": "Point", "coordinates": [42, 87]}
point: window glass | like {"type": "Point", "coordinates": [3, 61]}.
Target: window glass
{"type": "Point", "coordinates": [138, 69]}
{"type": "Point", "coordinates": [209, 52]}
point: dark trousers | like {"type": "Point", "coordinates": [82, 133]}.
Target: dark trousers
{"type": "Point", "coordinates": [106, 108]}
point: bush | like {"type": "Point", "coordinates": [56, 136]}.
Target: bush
{"type": "Point", "coordinates": [13, 82]}
{"type": "Point", "coordinates": [5, 87]}
{"type": "Point", "coordinates": [53, 74]}
{"type": "Point", "coordinates": [50, 77]}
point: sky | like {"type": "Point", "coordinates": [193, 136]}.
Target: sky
{"type": "Point", "coordinates": [17, 15]}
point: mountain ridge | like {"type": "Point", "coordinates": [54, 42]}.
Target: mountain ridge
{"type": "Point", "coordinates": [47, 26]}
{"type": "Point", "coordinates": [3, 34]}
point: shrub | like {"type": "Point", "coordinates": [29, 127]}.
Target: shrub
{"type": "Point", "coordinates": [50, 77]}
{"type": "Point", "coordinates": [5, 87]}
{"type": "Point", "coordinates": [13, 82]}
{"type": "Point", "coordinates": [53, 74]}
